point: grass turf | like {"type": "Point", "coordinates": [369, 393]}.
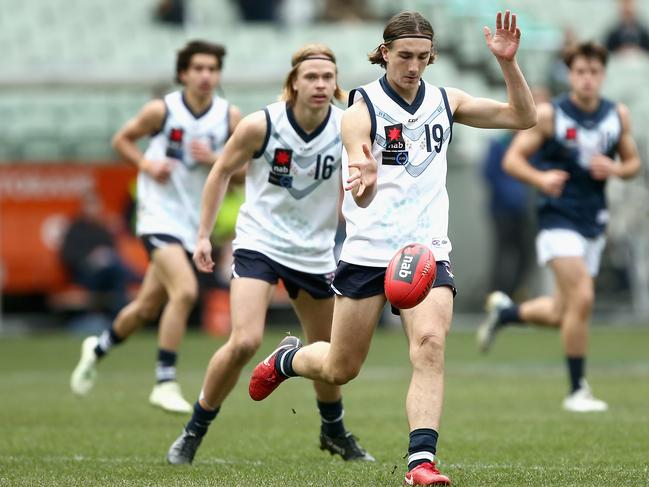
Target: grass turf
{"type": "Point", "coordinates": [502, 424]}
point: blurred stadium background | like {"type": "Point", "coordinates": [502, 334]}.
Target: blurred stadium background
{"type": "Point", "coordinates": [73, 71]}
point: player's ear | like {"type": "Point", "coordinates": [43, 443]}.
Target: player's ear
{"type": "Point", "coordinates": [384, 52]}
{"type": "Point", "coordinates": [181, 76]}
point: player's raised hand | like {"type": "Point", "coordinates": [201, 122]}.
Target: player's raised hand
{"type": "Point", "coordinates": [553, 181]}
{"type": "Point", "coordinates": [203, 255]}
{"type": "Point", "coordinates": [505, 40]}
{"type": "Point", "coordinates": [158, 170]}
{"type": "Point", "coordinates": [365, 174]}
{"type": "Point", "coordinates": [601, 167]}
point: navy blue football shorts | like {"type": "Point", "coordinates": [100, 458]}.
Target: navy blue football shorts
{"type": "Point", "coordinates": [359, 281]}
{"type": "Point", "coordinates": [255, 265]}
{"type": "Point", "coordinates": [153, 241]}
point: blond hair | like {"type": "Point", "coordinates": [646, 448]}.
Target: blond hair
{"type": "Point", "coordinates": [310, 51]}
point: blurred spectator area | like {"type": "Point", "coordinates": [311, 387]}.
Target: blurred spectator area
{"type": "Point", "coordinates": [38, 202]}
{"type": "Point", "coordinates": [74, 70]}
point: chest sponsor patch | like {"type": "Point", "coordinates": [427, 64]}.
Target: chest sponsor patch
{"type": "Point", "coordinates": [280, 171]}
{"type": "Point", "coordinates": [395, 153]}
{"type": "Point", "coordinates": [175, 143]}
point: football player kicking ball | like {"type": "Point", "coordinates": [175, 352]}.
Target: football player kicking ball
{"type": "Point", "coordinates": [577, 137]}
{"type": "Point", "coordinates": [285, 230]}
{"type": "Point", "coordinates": [396, 133]}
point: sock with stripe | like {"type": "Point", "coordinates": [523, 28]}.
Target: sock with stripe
{"type": "Point", "coordinates": [284, 362]}
{"type": "Point", "coordinates": [423, 446]}
{"type": "Point", "coordinates": [107, 340]}
{"type": "Point", "coordinates": [165, 370]}
{"type": "Point", "coordinates": [331, 414]}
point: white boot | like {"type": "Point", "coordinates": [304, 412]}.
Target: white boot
{"type": "Point", "coordinates": [582, 400]}
{"type": "Point", "coordinates": [167, 395]}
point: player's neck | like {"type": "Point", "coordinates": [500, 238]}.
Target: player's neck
{"type": "Point", "coordinates": [585, 104]}
{"type": "Point", "coordinates": [408, 94]}
{"type": "Point", "coordinates": [197, 103]}
{"type": "Point", "coordinates": [309, 118]}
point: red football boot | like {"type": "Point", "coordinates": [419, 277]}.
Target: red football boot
{"type": "Point", "coordinates": [426, 474]}
{"type": "Point", "coordinates": [265, 379]}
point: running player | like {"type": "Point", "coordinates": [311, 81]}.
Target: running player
{"type": "Point", "coordinates": [188, 130]}
{"type": "Point", "coordinates": [285, 230]}
{"type": "Point", "coordinates": [578, 136]}
{"type": "Point", "coordinates": [396, 134]}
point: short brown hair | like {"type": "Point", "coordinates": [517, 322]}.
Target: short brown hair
{"type": "Point", "coordinates": [402, 25]}
{"type": "Point", "coordinates": [589, 50]}
{"type": "Point", "coordinates": [184, 56]}
{"type": "Point", "coordinates": [310, 51]}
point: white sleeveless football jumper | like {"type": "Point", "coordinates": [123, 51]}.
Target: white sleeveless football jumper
{"type": "Point", "coordinates": [173, 207]}
{"type": "Point", "coordinates": [409, 143]}
{"type": "Point", "coordinates": [292, 191]}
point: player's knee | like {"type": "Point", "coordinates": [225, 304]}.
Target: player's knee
{"type": "Point", "coordinates": [581, 299]}
{"type": "Point", "coordinates": [244, 348]}
{"type": "Point", "coordinates": [342, 374]}
{"type": "Point", "coordinates": [185, 295]}
{"type": "Point", "coordinates": [429, 348]}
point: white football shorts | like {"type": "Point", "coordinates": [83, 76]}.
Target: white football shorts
{"type": "Point", "coordinates": [563, 242]}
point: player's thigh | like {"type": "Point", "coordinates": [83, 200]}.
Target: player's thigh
{"type": "Point", "coordinates": [175, 271]}
{"type": "Point", "coordinates": [315, 316]}
{"type": "Point", "coordinates": [249, 302]}
{"type": "Point", "coordinates": [573, 277]}
{"type": "Point", "coordinates": [354, 322]}
{"type": "Point", "coordinates": [430, 319]}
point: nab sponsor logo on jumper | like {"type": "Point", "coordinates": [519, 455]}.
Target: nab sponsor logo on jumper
{"type": "Point", "coordinates": [405, 267]}
{"type": "Point", "coordinates": [280, 172]}
{"type": "Point", "coordinates": [395, 153]}
{"type": "Point", "coordinates": [175, 143]}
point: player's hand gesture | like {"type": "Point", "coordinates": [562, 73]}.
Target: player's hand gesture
{"type": "Point", "coordinates": [201, 152]}
{"type": "Point", "coordinates": [505, 40]}
{"type": "Point", "coordinates": [203, 255]}
{"type": "Point", "coordinates": [158, 170]}
{"type": "Point", "coordinates": [553, 181]}
{"type": "Point", "coordinates": [365, 175]}
{"type": "Point", "coordinates": [601, 167]}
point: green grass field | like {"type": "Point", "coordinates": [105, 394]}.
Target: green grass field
{"type": "Point", "coordinates": [502, 424]}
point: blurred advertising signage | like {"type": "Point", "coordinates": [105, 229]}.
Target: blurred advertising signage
{"type": "Point", "coordinates": [36, 203]}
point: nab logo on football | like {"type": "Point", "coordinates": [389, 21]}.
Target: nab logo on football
{"type": "Point", "coordinates": [404, 267]}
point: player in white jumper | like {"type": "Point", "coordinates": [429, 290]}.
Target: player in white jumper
{"type": "Point", "coordinates": [396, 133]}
{"type": "Point", "coordinates": [188, 130]}
{"type": "Point", "coordinates": [285, 230]}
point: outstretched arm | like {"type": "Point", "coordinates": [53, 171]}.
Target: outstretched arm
{"type": "Point", "coordinates": [519, 112]}
{"type": "Point", "coordinates": [247, 138]}
{"type": "Point", "coordinates": [355, 131]}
